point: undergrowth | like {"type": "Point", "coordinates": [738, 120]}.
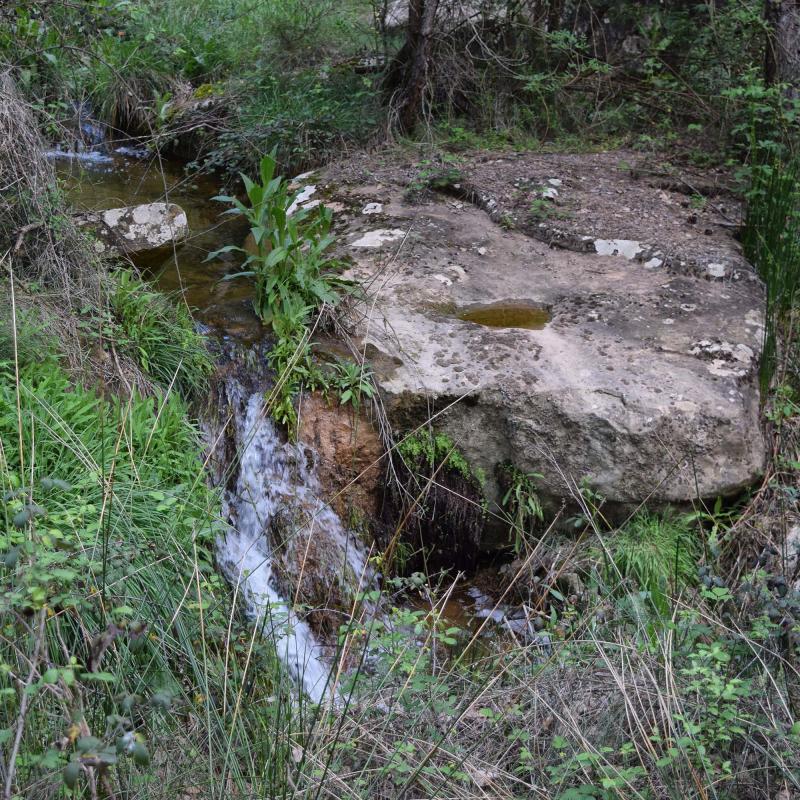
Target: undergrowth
{"type": "Point", "coordinates": [658, 553]}
{"type": "Point", "coordinates": [771, 239]}
{"type": "Point", "coordinates": [297, 281]}
{"type": "Point", "coordinates": [158, 334]}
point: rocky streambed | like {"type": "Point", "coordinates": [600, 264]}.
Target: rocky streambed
{"type": "Point", "coordinates": [571, 315]}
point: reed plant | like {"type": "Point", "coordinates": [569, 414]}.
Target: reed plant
{"type": "Point", "coordinates": [771, 240]}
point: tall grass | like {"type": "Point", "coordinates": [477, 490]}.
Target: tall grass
{"type": "Point", "coordinates": [771, 239]}
{"type": "Point", "coordinates": [659, 554]}
{"type": "Point", "coordinates": [158, 335]}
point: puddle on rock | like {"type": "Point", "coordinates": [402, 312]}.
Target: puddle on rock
{"type": "Point", "coordinates": [507, 315]}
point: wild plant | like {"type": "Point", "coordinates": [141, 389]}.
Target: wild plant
{"type": "Point", "coordinates": [353, 382]}
{"type": "Point", "coordinates": [294, 276]}
{"type": "Point", "coordinates": [157, 334]}
{"type": "Point", "coordinates": [291, 264]}
{"type": "Point", "coordinates": [771, 239]}
{"type": "Point", "coordinates": [658, 553]}
{"type": "Point", "coordinates": [521, 503]}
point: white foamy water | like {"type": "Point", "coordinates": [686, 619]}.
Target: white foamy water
{"type": "Point", "coordinates": [89, 156]}
{"type": "Point", "coordinates": [276, 481]}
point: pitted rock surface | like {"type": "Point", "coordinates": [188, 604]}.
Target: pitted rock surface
{"type": "Point", "coordinates": [644, 381]}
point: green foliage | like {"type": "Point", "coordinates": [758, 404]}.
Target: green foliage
{"type": "Point", "coordinates": [721, 696]}
{"type": "Point", "coordinates": [290, 266]}
{"type": "Point", "coordinates": [294, 277]}
{"type": "Point", "coordinates": [277, 63]}
{"type": "Point", "coordinates": [353, 382]}
{"type": "Point", "coordinates": [521, 502]}
{"type": "Point", "coordinates": [659, 553]}
{"type": "Point", "coordinates": [95, 488]}
{"type": "Point", "coordinates": [604, 774]}
{"type": "Point", "coordinates": [294, 365]}
{"type": "Point", "coordinates": [440, 173]}
{"type": "Point", "coordinates": [157, 334]}
{"type": "Point", "coordinates": [771, 240]}
{"type": "Point", "coordinates": [31, 337]}
{"type": "Point", "coordinates": [428, 450]}
{"type": "Point", "coordinates": [305, 117]}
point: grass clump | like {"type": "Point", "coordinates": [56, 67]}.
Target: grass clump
{"type": "Point", "coordinates": [158, 334]}
{"type": "Point", "coordinates": [659, 553]}
{"type": "Point", "coordinates": [107, 524]}
{"type": "Point", "coordinates": [125, 663]}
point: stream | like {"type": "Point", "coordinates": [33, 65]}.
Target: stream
{"type": "Point", "coordinates": [270, 486]}
{"type": "Point", "coordinates": [97, 180]}
{"type": "Point", "coordinates": [268, 482]}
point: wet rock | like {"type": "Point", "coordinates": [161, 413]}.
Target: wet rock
{"type": "Point", "coordinates": [619, 388]}
{"type": "Point", "coordinates": [349, 456]}
{"type": "Point", "coordinates": [138, 232]}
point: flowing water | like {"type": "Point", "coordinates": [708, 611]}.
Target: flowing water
{"type": "Point", "coordinates": [272, 498]}
{"type": "Point", "coordinates": [275, 482]}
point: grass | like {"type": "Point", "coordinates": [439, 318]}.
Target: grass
{"type": "Point", "coordinates": [158, 334]}
{"type": "Point", "coordinates": [122, 531]}
{"type": "Point", "coordinates": [771, 240]}
{"type": "Point", "coordinates": [659, 554]}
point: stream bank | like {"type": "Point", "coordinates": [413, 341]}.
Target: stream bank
{"type": "Point", "coordinates": [446, 327]}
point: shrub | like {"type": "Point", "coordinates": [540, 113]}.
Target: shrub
{"type": "Point", "coordinates": [771, 240]}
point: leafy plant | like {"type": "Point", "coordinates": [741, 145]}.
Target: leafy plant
{"type": "Point", "coordinates": [720, 697]}
{"type": "Point", "coordinates": [293, 362]}
{"type": "Point", "coordinates": [294, 275]}
{"type": "Point", "coordinates": [290, 265]}
{"type": "Point", "coordinates": [430, 450]}
{"type": "Point", "coordinates": [353, 382]}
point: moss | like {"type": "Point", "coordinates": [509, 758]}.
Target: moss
{"type": "Point", "coordinates": [207, 90]}
{"type": "Point", "coordinates": [429, 449]}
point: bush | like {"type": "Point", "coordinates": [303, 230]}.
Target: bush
{"type": "Point", "coordinates": [771, 240]}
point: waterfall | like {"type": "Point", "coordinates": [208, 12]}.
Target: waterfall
{"type": "Point", "coordinates": [276, 516]}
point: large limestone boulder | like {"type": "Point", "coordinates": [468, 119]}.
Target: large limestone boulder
{"type": "Point", "coordinates": [636, 364]}
{"type": "Point", "coordinates": [139, 232]}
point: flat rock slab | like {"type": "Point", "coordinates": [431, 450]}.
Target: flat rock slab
{"type": "Point", "coordinates": [644, 380]}
{"type": "Point", "coordinates": [138, 231]}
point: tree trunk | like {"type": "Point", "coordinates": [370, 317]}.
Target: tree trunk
{"type": "Point", "coordinates": [419, 41]}
{"type": "Point", "coordinates": [782, 64]}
